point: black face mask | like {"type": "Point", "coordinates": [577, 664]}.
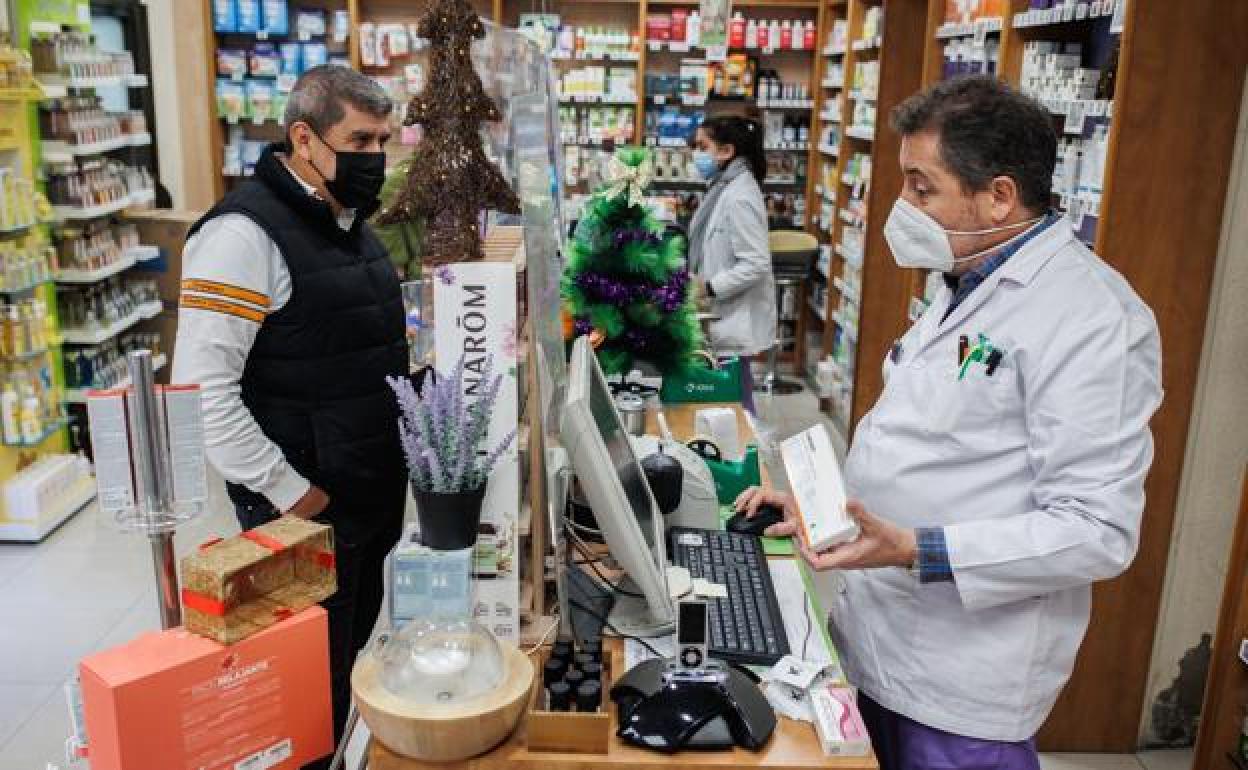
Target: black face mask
{"type": "Point", "coordinates": [358, 179]}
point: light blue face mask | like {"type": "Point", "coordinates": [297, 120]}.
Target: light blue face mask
{"type": "Point", "coordinates": [705, 163]}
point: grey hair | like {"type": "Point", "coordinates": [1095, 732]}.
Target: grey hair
{"type": "Point", "coordinates": [319, 94]}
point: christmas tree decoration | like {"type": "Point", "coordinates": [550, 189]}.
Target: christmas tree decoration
{"type": "Point", "coordinates": [626, 284]}
{"type": "Point", "coordinates": [450, 181]}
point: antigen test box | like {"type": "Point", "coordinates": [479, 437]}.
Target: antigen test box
{"type": "Point", "coordinates": [818, 488]}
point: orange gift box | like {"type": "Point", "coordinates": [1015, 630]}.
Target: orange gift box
{"type": "Point", "coordinates": [172, 700]}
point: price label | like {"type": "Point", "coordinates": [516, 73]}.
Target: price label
{"type": "Point", "coordinates": [655, 45]}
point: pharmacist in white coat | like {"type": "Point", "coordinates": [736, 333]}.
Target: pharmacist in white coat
{"type": "Point", "coordinates": [1001, 472]}
{"type": "Point", "coordinates": [729, 250]}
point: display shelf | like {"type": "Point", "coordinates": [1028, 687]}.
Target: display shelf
{"type": "Point", "coordinates": [127, 261]}
{"type": "Point", "coordinates": [49, 430]}
{"type": "Point", "coordinates": [25, 288]}
{"type": "Point", "coordinates": [56, 151]}
{"type": "Point", "coordinates": [49, 518]}
{"type": "Point", "coordinates": [29, 355]}
{"type": "Point", "coordinates": [103, 334]}
{"type": "Point", "coordinates": [1074, 14]}
{"type": "Point", "coordinates": [137, 198]}
{"type": "Point", "coordinates": [830, 150]}
{"type": "Point", "coordinates": [976, 28]}
{"type": "Point", "coordinates": [868, 44]}
{"type": "Point", "coordinates": [792, 147]}
{"type": "Point", "coordinates": [58, 87]}
{"type": "Point", "coordinates": [834, 83]}
{"type": "Point", "coordinates": [584, 99]}
{"type": "Point", "coordinates": [613, 58]}
{"type": "Point", "coordinates": [79, 395]}
{"type": "Point", "coordinates": [861, 133]}
{"type": "Point", "coordinates": [785, 104]}
{"type": "Point", "coordinates": [834, 51]}
{"type": "Point", "coordinates": [18, 228]}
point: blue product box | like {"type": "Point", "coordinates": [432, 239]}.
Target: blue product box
{"type": "Point", "coordinates": [224, 16]}
{"type": "Point", "coordinates": [292, 58]}
{"type": "Point", "coordinates": [275, 17]}
{"type": "Point", "coordinates": [248, 16]}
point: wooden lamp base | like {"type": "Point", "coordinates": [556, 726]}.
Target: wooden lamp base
{"type": "Point", "coordinates": [443, 732]}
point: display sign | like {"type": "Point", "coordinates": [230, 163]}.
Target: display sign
{"type": "Point", "coordinates": [476, 317]}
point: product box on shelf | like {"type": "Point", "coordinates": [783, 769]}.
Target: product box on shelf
{"type": "Point", "coordinates": [233, 588]}
{"type": "Point", "coordinates": [172, 699]}
{"type": "Point", "coordinates": [477, 304]}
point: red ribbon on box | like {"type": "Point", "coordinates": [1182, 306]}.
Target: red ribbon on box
{"type": "Point", "coordinates": [201, 603]}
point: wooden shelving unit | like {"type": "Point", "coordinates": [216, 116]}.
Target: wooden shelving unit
{"type": "Point", "coordinates": [1226, 691]}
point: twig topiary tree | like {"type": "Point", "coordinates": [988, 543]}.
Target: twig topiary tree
{"type": "Point", "coordinates": [450, 180]}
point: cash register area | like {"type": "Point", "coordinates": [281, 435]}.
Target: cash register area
{"type": "Point", "coordinates": [87, 588]}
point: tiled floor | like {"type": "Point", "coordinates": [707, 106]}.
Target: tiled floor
{"type": "Point", "coordinates": [89, 587]}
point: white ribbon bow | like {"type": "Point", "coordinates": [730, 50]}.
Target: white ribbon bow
{"type": "Point", "coordinates": [632, 180]}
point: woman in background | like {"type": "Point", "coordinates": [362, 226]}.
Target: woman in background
{"type": "Point", "coordinates": [728, 246]}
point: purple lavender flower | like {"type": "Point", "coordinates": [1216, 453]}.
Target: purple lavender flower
{"type": "Point", "coordinates": [445, 275]}
{"type": "Point", "coordinates": [442, 433]}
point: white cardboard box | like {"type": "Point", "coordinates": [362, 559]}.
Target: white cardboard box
{"type": "Point", "coordinates": [475, 314]}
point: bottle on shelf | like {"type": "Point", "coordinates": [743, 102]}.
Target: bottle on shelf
{"type": "Point", "coordinates": [774, 34]}
{"type": "Point", "coordinates": [9, 408]}
{"type": "Point", "coordinates": [30, 415]}
{"type": "Point", "coordinates": [736, 31]}
{"type": "Point", "coordinates": [751, 34]}
{"type": "Point", "coordinates": [786, 35]}
{"type": "Point", "coordinates": [765, 40]}
{"type": "Point", "coordinates": [809, 38]}
{"type": "Point", "coordinates": [693, 29]}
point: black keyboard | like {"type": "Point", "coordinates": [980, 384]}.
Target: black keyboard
{"type": "Point", "coordinates": [746, 627]}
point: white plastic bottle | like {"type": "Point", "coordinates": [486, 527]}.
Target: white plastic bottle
{"type": "Point", "coordinates": [693, 29]}
{"type": "Point", "coordinates": [29, 415]}
{"type": "Point", "coordinates": [775, 35]}
{"type": "Point", "coordinates": [751, 34]}
{"type": "Point", "coordinates": [8, 414]}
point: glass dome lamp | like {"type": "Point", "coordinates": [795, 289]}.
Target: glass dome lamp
{"type": "Point", "coordinates": [441, 661]}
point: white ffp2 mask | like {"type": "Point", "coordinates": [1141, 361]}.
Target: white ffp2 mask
{"type": "Point", "coordinates": [918, 241]}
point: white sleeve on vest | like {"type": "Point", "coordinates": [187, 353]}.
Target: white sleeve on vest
{"type": "Point", "coordinates": [232, 276]}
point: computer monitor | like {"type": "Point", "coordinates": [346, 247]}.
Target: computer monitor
{"type": "Point", "coordinates": [615, 487]}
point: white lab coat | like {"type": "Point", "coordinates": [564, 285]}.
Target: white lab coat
{"type": "Point", "coordinates": [1036, 475]}
{"type": "Point", "coordinates": [736, 259]}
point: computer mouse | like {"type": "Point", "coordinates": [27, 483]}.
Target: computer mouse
{"type": "Point", "coordinates": [764, 517]}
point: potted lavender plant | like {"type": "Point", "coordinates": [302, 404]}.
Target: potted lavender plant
{"type": "Point", "coordinates": [442, 437]}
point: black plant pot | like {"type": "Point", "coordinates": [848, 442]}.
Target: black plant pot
{"type": "Point", "coordinates": [449, 520]}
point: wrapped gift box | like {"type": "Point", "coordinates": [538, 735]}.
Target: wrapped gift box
{"type": "Point", "coordinates": [172, 700]}
{"type": "Point", "coordinates": [234, 588]}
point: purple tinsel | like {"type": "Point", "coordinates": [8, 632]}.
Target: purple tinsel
{"type": "Point", "coordinates": [603, 288]}
{"type": "Point", "coordinates": [582, 326]}
{"type": "Point", "coordinates": [631, 235]}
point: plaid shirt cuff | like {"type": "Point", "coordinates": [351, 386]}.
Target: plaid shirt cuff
{"type": "Point", "coordinates": [933, 556]}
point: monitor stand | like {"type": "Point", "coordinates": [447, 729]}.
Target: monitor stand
{"type": "Point", "coordinates": [631, 615]}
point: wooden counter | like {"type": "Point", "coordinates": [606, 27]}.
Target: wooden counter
{"type": "Point", "coordinates": [793, 746]}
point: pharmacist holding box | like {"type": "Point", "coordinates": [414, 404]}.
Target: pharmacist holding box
{"type": "Point", "coordinates": [1001, 472]}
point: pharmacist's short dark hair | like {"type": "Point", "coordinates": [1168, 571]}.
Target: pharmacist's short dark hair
{"type": "Point", "coordinates": [318, 97]}
{"type": "Point", "coordinates": [986, 130]}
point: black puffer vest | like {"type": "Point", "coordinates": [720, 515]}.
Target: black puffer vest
{"type": "Point", "coordinates": [315, 380]}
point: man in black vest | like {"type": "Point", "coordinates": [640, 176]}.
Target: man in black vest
{"type": "Point", "coordinates": [291, 319]}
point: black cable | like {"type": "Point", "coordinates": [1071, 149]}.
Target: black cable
{"type": "Point", "coordinates": [607, 625]}
{"type": "Point", "coordinates": [593, 562]}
